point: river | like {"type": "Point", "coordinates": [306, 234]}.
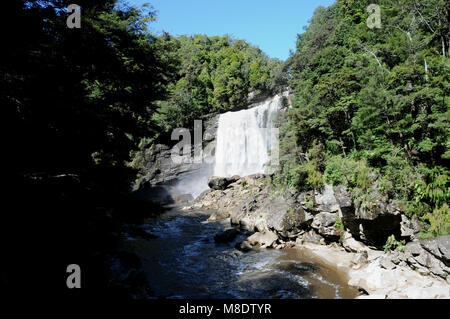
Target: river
{"type": "Point", "coordinates": [184, 261]}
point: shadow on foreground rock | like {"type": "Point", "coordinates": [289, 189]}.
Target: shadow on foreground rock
{"type": "Point", "coordinates": [226, 236]}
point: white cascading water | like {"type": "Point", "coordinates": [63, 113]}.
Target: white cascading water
{"type": "Point", "coordinates": [244, 139]}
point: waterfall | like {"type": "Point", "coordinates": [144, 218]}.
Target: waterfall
{"type": "Point", "coordinates": [244, 139]}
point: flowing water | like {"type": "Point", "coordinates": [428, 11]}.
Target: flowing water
{"type": "Point", "coordinates": [184, 261]}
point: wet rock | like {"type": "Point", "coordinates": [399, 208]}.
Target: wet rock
{"type": "Point", "coordinates": [266, 239]}
{"type": "Point", "coordinates": [226, 236]}
{"type": "Point", "coordinates": [211, 125]}
{"type": "Point", "coordinates": [159, 167]}
{"type": "Point", "coordinates": [219, 183]}
{"type": "Point", "coordinates": [244, 246]}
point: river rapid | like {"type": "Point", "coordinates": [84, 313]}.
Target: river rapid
{"type": "Point", "coordinates": [184, 261]}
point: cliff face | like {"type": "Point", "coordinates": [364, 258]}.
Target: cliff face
{"type": "Point", "coordinates": [162, 177]}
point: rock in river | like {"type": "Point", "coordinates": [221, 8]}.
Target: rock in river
{"type": "Point", "coordinates": [226, 236]}
{"type": "Point", "coordinates": [265, 239]}
{"type": "Point", "coordinates": [220, 183]}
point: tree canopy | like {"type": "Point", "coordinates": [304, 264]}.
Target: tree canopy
{"type": "Point", "coordinates": [215, 74]}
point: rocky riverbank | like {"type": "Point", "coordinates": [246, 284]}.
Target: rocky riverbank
{"type": "Point", "coordinates": [330, 227]}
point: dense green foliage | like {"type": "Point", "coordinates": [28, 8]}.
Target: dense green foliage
{"type": "Point", "coordinates": [215, 74]}
{"type": "Point", "coordinates": [371, 106]}
{"type": "Point", "coordinates": [76, 101]}
{"type": "Point", "coordinates": [211, 75]}
{"type": "Point", "coordinates": [80, 97]}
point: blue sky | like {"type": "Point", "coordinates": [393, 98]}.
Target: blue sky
{"type": "Point", "coordinates": [270, 24]}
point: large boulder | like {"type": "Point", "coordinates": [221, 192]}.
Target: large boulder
{"type": "Point", "coordinates": [324, 222]}
{"type": "Point", "coordinates": [286, 220]}
{"type": "Point", "coordinates": [220, 183]}
{"type": "Point", "coordinates": [244, 246]}
{"type": "Point", "coordinates": [352, 245]}
{"type": "Point", "coordinates": [266, 239]}
{"type": "Point", "coordinates": [226, 236]}
{"type": "Point", "coordinates": [325, 201]}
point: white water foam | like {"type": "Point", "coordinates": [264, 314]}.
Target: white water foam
{"type": "Point", "coordinates": [245, 139]}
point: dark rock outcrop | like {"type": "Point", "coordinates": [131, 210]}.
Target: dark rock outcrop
{"type": "Point", "coordinates": [371, 221]}
{"type": "Point", "coordinates": [439, 247]}
{"type": "Point", "coordinates": [159, 170]}
{"type": "Point", "coordinates": [226, 236]}
{"type": "Point", "coordinates": [244, 246]}
{"type": "Point", "coordinates": [221, 183]}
